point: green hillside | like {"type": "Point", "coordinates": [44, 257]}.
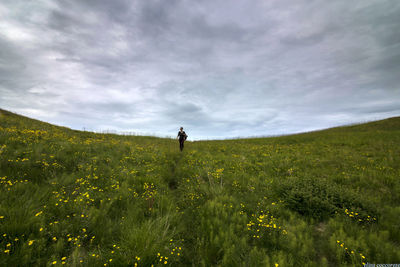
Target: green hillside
{"type": "Point", "coordinates": [324, 198]}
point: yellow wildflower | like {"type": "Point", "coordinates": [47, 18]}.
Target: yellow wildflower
{"type": "Point", "coordinates": [37, 214]}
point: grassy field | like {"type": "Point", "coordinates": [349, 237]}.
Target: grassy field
{"type": "Point", "coordinates": [75, 198]}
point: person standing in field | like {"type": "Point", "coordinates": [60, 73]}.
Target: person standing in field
{"type": "Point", "coordinates": [182, 137]}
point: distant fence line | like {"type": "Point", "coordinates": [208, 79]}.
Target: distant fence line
{"type": "Point", "coordinates": [133, 133]}
{"type": "Point", "coordinates": [126, 133]}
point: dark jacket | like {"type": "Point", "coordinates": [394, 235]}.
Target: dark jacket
{"type": "Point", "coordinates": [182, 135]}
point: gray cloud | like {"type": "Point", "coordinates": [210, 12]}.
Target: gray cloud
{"type": "Point", "coordinates": [220, 69]}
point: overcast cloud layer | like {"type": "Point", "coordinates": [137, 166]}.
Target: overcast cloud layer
{"type": "Point", "coordinates": [218, 68]}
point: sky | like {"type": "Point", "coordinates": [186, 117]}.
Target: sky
{"type": "Point", "coordinates": [221, 69]}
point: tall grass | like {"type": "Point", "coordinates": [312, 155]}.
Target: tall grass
{"type": "Point", "coordinates": [75, 198]}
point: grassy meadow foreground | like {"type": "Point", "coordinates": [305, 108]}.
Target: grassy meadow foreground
{"type": "Point", "coordinates": [74, 198]}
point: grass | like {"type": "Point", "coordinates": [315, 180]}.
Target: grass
{"type": "Point", "coordinates": [323, 198]}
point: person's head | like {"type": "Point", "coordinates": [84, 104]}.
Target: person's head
{"type": "Point", "coordinates": [181, 128]}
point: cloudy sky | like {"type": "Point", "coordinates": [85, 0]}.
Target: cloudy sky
{"type": "Point", "coordinates": [218, 68]}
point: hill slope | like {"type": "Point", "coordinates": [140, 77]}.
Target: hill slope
{"type": "Point", "coordinates": [324, 198]}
